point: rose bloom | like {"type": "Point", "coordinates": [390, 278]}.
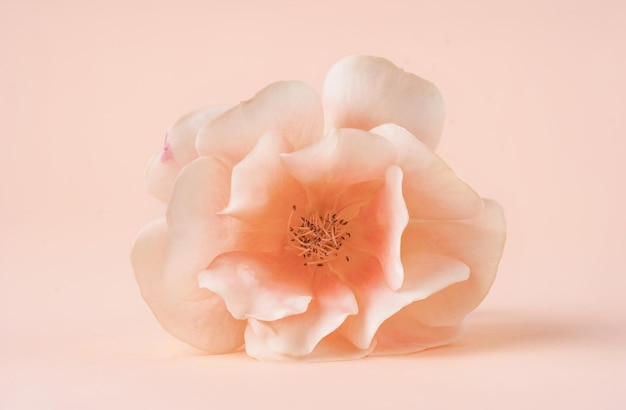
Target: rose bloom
{"type": "Point", "coordinates": [317, 228]}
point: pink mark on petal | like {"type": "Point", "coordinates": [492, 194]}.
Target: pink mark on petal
{"type": "Point", "coordinates": [166, 155]}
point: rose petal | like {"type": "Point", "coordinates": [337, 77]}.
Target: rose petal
{"type": "Point", "coordinates": [196, 233]}
{"type": "Point", "coordinates": [427, 273]}
{"type": "Point", "coordinates": [477, 242]}
{"type": "Point", "coordinates": [347, 156]}
{"type": "Point", "coordinates": [261, 186]}
{"type": "Point", "coordinates": [402, 333]}
{"type": "Point", "coordinates": [377, 302]}
{"type": "Point", "coordinates": [379, 226]}
{"type": "Point", "coordinates": [332, 347]}
{"type": "Point", "coordinates": [290, 108]}
{"type": "Point", "coordinates": [203, 323]}
{"type": "Point", "coordinates": [179, 149]}
{"type": "Point", "coordinates": [344, 157]}
{"type": "Point", "coordinates": [349, 201]}
{"type": "Point", "coordinates": [363, 92]}
{"type": "Point", "coordinates": [253, 286]}
{"type": "Point", "coordinates": [298, 335]}
{"type": "Point", "coordinates": [431, 189]}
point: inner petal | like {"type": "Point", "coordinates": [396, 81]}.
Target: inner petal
{"type": "Point", "coordinates": [256, 286]}
{"type": "Point", "coordinates": [261, 188]}
{"type": "Point", "coordinates": [343, 158]}
{"type": "Point", "coordinates": [379, 226]}
{"type": "Point", "coordinates": [299, 334]}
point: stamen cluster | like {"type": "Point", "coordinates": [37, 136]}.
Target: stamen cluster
{"type": "Point", "coordinates": [318, 238]}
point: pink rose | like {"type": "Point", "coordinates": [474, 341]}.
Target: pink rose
{"type": "Point", "coordinates": [308, 228]}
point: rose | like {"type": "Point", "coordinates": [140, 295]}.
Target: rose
{"type": "Point", "coordinates": [305, 230]}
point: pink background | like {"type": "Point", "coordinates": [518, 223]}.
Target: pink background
{"type": "Point", "coordinates": [536, 101]}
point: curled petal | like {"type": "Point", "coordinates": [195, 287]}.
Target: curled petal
{"type": "Point", "coordinates": [379, 227]}
{"type": "Point", "coordinates": [363, 92]}
{"type": "Point", "coordinates": [402, 333]}
{"type": "Point", "coordinates": [476, 242]}
{"type": "Point", "coordinates": [204, 322]}
{"type": "Point", "coordinates": [431, 189]}
{"type": "Point", "coordinates": [291, 108]}
{"type": "Point", "coordinates": [179, 149]}
{"type": "Point", "coordinates": [196, 233]}
{"type": "Point", "coordinates": [377, 302]}
{"type": "Point", "coordinates": [342, 158]}
{"type": "Point", "coordinates": [428, 273]}
{"type": "Point", "coordinates": [254, 286]}
{"type": "Point", "coordinates": [261, 186]}
{"type": "Point", "coordinates": [298, 335]}
{"type": "Point", "coordinates": [346, 156]}
{"type": "Point", "coordinates": [332, 347]}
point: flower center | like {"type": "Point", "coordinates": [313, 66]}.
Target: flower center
{"type": "Point", "coordinates": [318, 238]}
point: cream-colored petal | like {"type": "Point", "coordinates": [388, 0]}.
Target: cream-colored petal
{"type": "Point", "coordinates": [377, 302]}
{"type": "Point", "coordinates": [402, 333]}
{"type": "Point", "coordinates": [331, 348]}
{"type": "Point", "coordinates": [179, 149]}
{"type": "Point", "coordinates": [196, 233]}
{"type": "Point", "coordinates": [431, 189]}
{"type": "Point", "coordinates": [291, 108]}
{"type": "Point", "coordinates": [476, 242]}
{"type": "Point", "coordinates": [261, 187]}
{"type": "Point", "coordinates": [298, 335]}
{"type": "Point", "coordinates": [259, 287]}
{"type": "Point", "coordinates": [204, 322]}
{"type": "Point", "coordinates": [364, 92]}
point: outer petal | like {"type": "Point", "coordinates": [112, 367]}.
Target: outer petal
{"type": "Point", "coordinates": [331, 348]}
{"type": "Point", "coordinates": [291, 108]}
{"type": "Point", "coordinates": [477, 242]}
{"type": "Point", "coordinates": [254, 286]}
{"type": "Point", "coordinates": [363, 92]}
{"type": "Point", "coordinates": [431, 189]}
{"type": "Point", "coordinates": [204, 323]}
{"type": "Point", "coordinates": [196, 232]}
{"type": "Point", "coordinates": [298, 335]}
{"type": "Point", "coordinates": [403, 333]}
{"type": "Point", "coordinates": [377, 302]}
{"type": "Point", "coordinates": [179, 149]}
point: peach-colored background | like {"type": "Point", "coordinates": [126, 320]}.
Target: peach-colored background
{"type": "Point", "coordinates": [536, 98]}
